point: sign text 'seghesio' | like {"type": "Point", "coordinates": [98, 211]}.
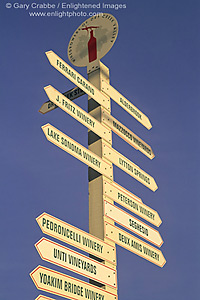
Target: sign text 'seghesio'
{"type": "Point", "coordinates": [131, 223]}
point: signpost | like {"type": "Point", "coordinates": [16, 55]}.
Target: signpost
{"type": "Point", "coordinates": [127, 134]}
{"type": "Point", "coordinates": [71, 95]}
{"type": "Point", "coordinates": [131, 223]}
{"type": "Point", "coordinates": [66, 286]}
{"type": "Point", "coordinates": [126, 105]}
{"type": "Point", "coordinates": [67, 144]}
{"type": "Point", "coordinates": [89, 43]}
{"type": "Point", "coordinates": [60, 65]}
{"type": "Point", "coordinates": [76, 237]}
{"type": "Point", "coordinates": [73, 261]}
{"type": "Point", "coordinates": [77, 112]}
{"type": "Point", "coordinates": [129, 167]}
{"type": "Point", "coordinates": [135, 245]}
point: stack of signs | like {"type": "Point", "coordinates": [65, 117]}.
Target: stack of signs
{"type": "Point", "coordinates": [66, 286]}
{"type": "Point", "coordinates": [102, 271]}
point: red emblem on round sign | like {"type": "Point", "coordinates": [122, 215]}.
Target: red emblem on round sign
{"type": "Point", "coordinates": [92, 39]}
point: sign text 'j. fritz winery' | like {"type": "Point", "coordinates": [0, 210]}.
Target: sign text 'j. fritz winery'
{"type": "Point", "coordinates": [109, 223]}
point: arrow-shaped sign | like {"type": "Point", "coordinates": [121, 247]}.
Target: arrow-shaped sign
{"type": "Point", "coordinates": [128, 221]}
{"type": "Point", "coordinates": [133, 244]}
{"type": "Point", "coordinates": [113, 190]}
{"type": "Point", "coordinates": [76, 237]}
{"type": "Point", "coordinates": [41, 297]}
{"type": "Point", "coordinates": [73, 261]}
{"type": "Point", "coordinates": [71, 95]}
{"type": "Point", "coordinates": [129, 167]}
{"type": "Point", "coordinates": [77, 79]}
{"type": "Point", "coordinates": [66, 286]}
{"type": "Point", "coordinates": [127, 134]}
{"type": "Point", "coordinates": [67, 144]}
{"type": "Point", "coordinates": [78, 113]}
{"type": "Point", "coordinates": [47, 107]}
{"type": "Point", "coordinates": [126, 104]}
{"type": "Point", "coordinates": [131, 202]}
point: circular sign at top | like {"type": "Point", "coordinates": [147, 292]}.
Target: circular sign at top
{"type": "Point", "coordinates": [92, 39]}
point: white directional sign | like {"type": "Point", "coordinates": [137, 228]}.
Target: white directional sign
{"type": "Point", "coordinates": [76, 237]}
{"type": "Point", "coordinates": [127, 135]}
{"type": "Point", "coordinates": [78, 113]}
{"type": "Point", "coordinates": [73, 261]}
{"type": "Point", "coordinates": [67, 144]}
{"type": "Point", "coordinates": [135, 245]}
{"type": "Point", "coordinates": [66, 286]}
{"type": "Point", "coordinates": [71, 94]}
{"type": "Point", "coordinates": [126, 104]}
{"type": "Point", "coordinates": [77, 79]}
{"type": "Point", "coordinates": [131, 202]}
{"type": "Point", "coordinates": [129, 167]}
{"type": "Point", "coordinates": [128, 221]}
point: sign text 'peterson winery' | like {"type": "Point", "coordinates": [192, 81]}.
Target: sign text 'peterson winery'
{"type": "Point", "coordinates": [109, 223]}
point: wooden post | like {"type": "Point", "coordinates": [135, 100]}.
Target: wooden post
{"type": "Point", "coordinates": [96, 73]}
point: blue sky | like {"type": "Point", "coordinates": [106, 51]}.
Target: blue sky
{"type": "Point", "coordinates": [155, 64]}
